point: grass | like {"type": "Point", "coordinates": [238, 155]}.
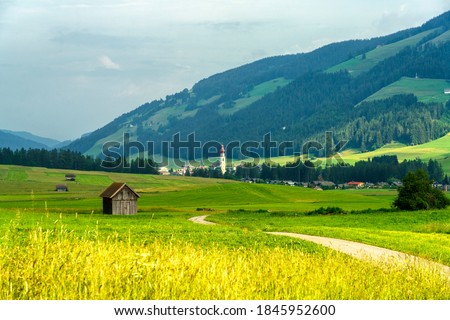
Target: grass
{"type": "Point", "coordinates": [358, 65]}
{"type": "Point", "coordinates": [255, 94]}
{"type": "Point", "coordinates": [58, 263]}
{"type": "Point", "coordinates": [172, 193]}
{"type": "Point", "coordinates": [438, 149]}
{"type": "Point", "coordinates": [424, 234]}
{"type": "Point", "coordinates": [426, 90]}
{"type": "Point", "coordinates": [442, 38]}
{"type": "Point", "coordinates": [60, 246]}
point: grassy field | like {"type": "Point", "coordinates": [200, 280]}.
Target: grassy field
{"type": "Point", "coordinates": [442, 38]}
{"type": "Point", "coordinates": [438, 149]}
{"type": "Point", "coordinates": [424, 234]}
{"type": "Point", "coordinates": [254, 95]}
{"type": "Point", "coordinates": [358, 64]}
{"type": "Point", "coordinates": [60, 246]}
{"type": "Point", "coordinates": [426, 90]}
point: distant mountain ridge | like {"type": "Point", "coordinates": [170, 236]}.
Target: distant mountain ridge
{"type": "Point", "coordinates": [29, 136]}
{"type": "Point", "coordinates": [14, 142]}
{"type": "Point", "coordinates": [21, 139]}
{"type": "Point", "coordinates": [299, 97]}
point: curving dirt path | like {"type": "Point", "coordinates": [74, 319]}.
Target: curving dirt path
{"type": "Point", "coordinates": [355, 249]}
{"type": "Point", "coordinates": [201, 220]}
{"type": "Point", "coordinates": [368, 252]}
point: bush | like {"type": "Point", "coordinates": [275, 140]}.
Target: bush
{"type": "Point", "coordinates": [418, 194]}
{"type": "Point", "coordinates": [326, 211]}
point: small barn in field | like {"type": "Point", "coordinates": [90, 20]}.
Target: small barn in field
{"type": "Point", "coordinates": [61, 188]}
{"type": "Point", "coordinates": [70, 177]}
{"type": "Point", "coordinates": [119, 199]}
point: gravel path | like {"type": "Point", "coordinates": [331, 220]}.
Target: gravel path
{"type": "Point", "coordinates": [355, 249]}
{"type": "Point", "coordinates": [201, 220]}
{"type": "Point", "coordinates": [367, 252]}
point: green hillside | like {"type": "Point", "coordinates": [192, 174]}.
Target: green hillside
{"type": "Point", "coordinates": [291, 98]}
{"type": "Point", "coordinates": [441, 38]}
{"type": "Point", "coordinates": [254, 95]}
{"type": "Point", "coordinates": [366, 61]}
{"type": "Point", "coordinates": [438, 149]}
{"type": "Point", "coordinates": [426, 90]}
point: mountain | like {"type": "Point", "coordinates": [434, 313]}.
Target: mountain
{"type": "Point", "coordinates": [21, 139]}
{"type": "Point", "coordinates": [49, 143]}
{"type": "Point", "coordinates": [14, 142]}
{"type": "Point", "coordinates": [342, 87]}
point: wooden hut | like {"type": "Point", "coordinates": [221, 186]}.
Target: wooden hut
{"type": "Point", "coordinates": [61, 188]}
{"type": "Point", "coordinates": [119, 199]}
{"type": "Point", "coordinates": [70, 177]}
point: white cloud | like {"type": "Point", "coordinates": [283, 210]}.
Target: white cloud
{"type": "Point", "coordinates": [160, 46]}
{"type": "Point", "coordinates": [108, 63]}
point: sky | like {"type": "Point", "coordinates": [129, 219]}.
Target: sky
{"type": "Point", "coordinates": [70, 67]}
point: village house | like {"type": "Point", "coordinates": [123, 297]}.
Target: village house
{"type": "Point", "coordinates": [119, 199]}
{"type": "Point", "coordinates": [324, 184]}
{"type": "Point", "coordinates": [164, 171]}
{"type": "Point", "coordinates": [355, 184]}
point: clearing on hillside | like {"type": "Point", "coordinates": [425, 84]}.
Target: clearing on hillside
{"type": "Point", "coordinates": [426, 90]}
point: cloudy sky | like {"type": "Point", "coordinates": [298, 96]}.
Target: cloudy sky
{"type": "Point", "coordinates": [68, 67]}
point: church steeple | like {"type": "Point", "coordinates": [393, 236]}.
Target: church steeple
{"type": "Point", "coordinates": [223, 165]}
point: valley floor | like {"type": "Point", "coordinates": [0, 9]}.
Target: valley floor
{"type": "Point", "coordinates": [60, 246]}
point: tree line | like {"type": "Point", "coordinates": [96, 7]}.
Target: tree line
{"type": "Point", "coordinates": [378, 169]}
{"type": "Point", "coordinates": [73, 160]}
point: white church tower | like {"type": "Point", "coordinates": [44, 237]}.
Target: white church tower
{"type": "Point", "coordinates": [223, 164]}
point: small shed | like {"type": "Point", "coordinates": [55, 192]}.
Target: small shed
{"type": "Point", "coordinates": [61, 188]}
{"type": "Point", "coordinates": [119, 199]}
{"type": "Point", "coordinates": [70, 177]}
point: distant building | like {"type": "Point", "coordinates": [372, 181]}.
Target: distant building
{"type": "Point", "coordinates": [164, 171]}
{"type": "Point", "coordinates": [397, 184]}
{"type": "Point", "coordinates": [223, 164]}
{"type": "Point", "coordinates": [61, 188]}
{"type": "Point", "coordinates": [355, 184]}
{"type": "Point", "coordinates": [119, 199]}
{"type": "Point", "coordinates": [70, 177]}
{"type": "Point", "coordinates": [324, 184]}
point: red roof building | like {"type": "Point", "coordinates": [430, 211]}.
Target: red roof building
{"type": "Point", "coordinates": [355, 184]}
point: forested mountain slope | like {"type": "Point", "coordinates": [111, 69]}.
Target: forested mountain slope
{"type": "Point", "coordinates": [299, 97]}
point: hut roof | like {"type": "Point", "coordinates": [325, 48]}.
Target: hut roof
{"type": "Point", "coordinates": [114, 188]}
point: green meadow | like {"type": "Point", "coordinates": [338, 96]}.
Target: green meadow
{"type": "Point", "coordinates": [438, 149]}
{"type": "Point", "coordinates": [360, 63]}
{"type": "Point", "coordinates": [60, 245]}
{"type": "Point", "coordinates": [426, 90]}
